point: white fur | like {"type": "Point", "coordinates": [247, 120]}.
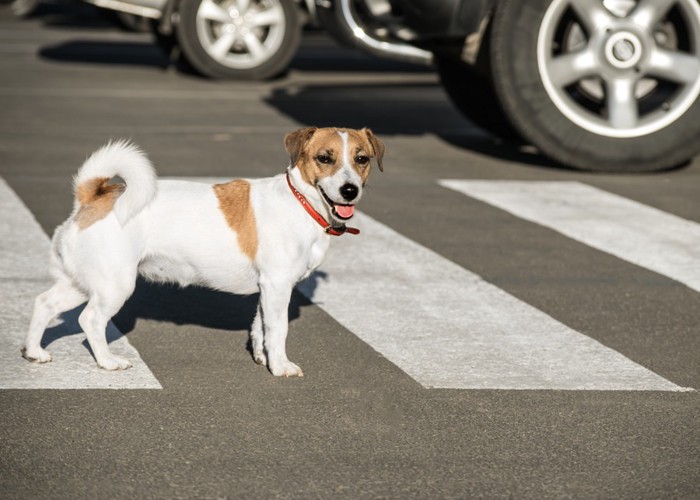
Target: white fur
{"type": "Point", "coordinates": [125, 160]}
{"type": "Point", "coordinates": [174, 231]}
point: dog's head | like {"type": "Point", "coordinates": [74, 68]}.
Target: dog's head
{"type": "Point", "coordinates": [336, 161]}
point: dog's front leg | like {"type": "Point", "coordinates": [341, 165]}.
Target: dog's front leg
{"type": "Point", "coordinates": [274, 301]}
{"type": "Point", "coordinates": [257, 338]}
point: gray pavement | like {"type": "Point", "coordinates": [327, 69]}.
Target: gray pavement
{"type": "Point", "coordinates": [356, 426]}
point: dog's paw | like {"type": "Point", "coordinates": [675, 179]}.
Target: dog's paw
{"type": "Point", "coordinates": [114, 363]}
{"type": "Point", "coordinates": [286, 369]}
{"type": "Point", "coordinates": [260, 358]}
{"type": "Point", "coordinates": [36, 355]}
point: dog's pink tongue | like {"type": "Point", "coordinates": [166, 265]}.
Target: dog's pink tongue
{"type": "Point", "coordinates": [345, 211]}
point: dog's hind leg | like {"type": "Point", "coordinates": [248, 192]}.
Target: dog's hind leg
{"type": "Point", "coordinates": [94, 318]}
{"type": "Point", "coordinates": [61, 297]}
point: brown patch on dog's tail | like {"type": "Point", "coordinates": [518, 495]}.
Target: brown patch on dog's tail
{"type": "Point", "coordinates": [96, 198]}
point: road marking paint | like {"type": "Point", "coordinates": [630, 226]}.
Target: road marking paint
{"type": "Point", "coordinates": [24, 251]}
{"type": "Point", "coordinates": [645, 236]}
{"type": "Point", "coordinates": [448, 328]}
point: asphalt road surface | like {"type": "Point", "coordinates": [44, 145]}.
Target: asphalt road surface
{"type": "Point", "coordinates": [535, 338]}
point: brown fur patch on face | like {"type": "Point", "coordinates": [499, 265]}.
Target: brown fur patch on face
{"type": "Point", "coordinates": [364, 145]}
{"type": "Point", "coordinates": [294, 142]}
{"type": "Point", "coordinates": [319, 152]}
{"type": "Point", "coordinates": [96, 198]}
{"type": "Point", "coordinates": [234, 202]}
{"type": "Point", "coordinates": [377, 147]}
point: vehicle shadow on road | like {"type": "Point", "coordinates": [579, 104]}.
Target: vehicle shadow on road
{"type": "Point", "coordinates": [409, 108]}
{"type": "Point", "coordinates": [131, 53]}
{"type": "Point", "coordinates": [141, 51]}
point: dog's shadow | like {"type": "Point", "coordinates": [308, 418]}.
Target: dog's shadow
{"type": "Point", "coordinates": [182, 306]}
{"type": "Point", "coordinates": [188, 306]}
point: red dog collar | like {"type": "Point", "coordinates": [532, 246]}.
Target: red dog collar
{"type": "Point", "coordinates": [332, 230]}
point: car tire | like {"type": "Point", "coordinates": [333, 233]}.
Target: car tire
{"type": "Point", "coordinates": [256, 43]}
{"type": "Point", "coordinates": [475, 97]}
{"type": "Point", "coordinates": [598, 90]}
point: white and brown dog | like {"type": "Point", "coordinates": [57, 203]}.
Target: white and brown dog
{"type": "Point", "coordinates": [242, 237]}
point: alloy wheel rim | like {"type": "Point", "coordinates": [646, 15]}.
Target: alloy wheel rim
{"type": "Point", "coordinates": [240, 34]}
{"type": "Point", "coordinates": [623, 79]}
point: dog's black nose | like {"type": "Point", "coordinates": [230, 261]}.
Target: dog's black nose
{"type": "Point", "coordinates": [349, 191]}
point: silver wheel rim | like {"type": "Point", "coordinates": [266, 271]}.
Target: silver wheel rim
{"type": "Point", "coordinates": [240, 34]}
{"type": "Point", "coordinates": [643, 56]}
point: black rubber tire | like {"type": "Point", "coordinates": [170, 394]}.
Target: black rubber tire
{"type": "Point", "coordinates": [475, 97]}
{"type": "Point", "coordinates": [205, 65]}
{"type": "Point", "coordinates": [520, 90]}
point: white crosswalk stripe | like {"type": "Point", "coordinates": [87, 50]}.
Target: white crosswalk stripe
{"type": "Point", "coordinates": [24, 251]}
{"type": "Point", "coordinates": [645, 236]}
{"type": "Point", "coordinates": [440, 323]}
{"type": "Point", "coordinates": [448, 328]}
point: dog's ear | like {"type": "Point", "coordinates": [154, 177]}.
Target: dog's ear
{"type": "Point", "coordinates": [294, 142]}
{"type": "Point", "coordinates": [377, 147]}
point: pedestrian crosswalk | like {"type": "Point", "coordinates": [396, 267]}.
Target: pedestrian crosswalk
{"type": "Point", "coordinates": [440, 323]}
{"type": "Point", "coordinates": [24, 258]}
{"type": "Point", "coordinates": [448, 328]}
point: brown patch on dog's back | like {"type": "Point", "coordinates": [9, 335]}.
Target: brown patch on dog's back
{"type": "Point", "coordinates": [96, 198]}
{"type": "Point", "coordinates": [234, 202]}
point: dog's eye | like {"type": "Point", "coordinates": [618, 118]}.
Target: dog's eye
{"type": "Point", "coordinates": [362, 159]}
{"type": "Point", "coordinates": [325, 159]}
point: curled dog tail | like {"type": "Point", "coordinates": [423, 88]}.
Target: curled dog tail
{"type": "Point", "coordinates": [123, 159]}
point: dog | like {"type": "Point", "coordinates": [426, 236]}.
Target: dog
{"type": "Point", "coordinates": [243, 237]}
